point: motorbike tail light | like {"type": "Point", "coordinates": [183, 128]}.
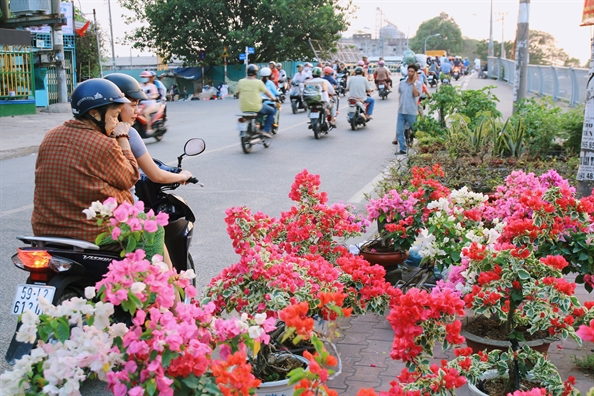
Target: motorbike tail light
{"type": "Point", "coordinates": [353, 101]}
{"type": "Point", "coordinates": [39, 276]}
{"type": "Point", "coordinates": [31, 259]}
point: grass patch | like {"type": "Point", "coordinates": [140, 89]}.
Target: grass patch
{"type": "Point", "coordinates": [585, 363]}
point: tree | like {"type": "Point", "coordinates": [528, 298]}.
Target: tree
{"type": "Point", "coordinates": [277, 29]}
{"type": "Point", "coordinates": [482, 49]}
{"type": "Point", "coordinates": [543, 50]}
{"type": "Point", "coordinates": [449, 39]}
{"type": "Point", "coordinates": [87, 61]}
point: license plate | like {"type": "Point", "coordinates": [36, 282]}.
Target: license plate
{"type": "Point", "coordinates": [242, 126]}
{"type": "Point", "coordinates": [314, 114]}
{"type": "Point", "coordinates": [381, 86]}
{"type": "Point", "coordinates": [27, 298]}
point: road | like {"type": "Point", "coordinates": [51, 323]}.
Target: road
{"type": "Point", "coordinates": [348, 162]}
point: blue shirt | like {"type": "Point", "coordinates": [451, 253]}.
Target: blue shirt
{"type": "Point", "coordinates": [272, 88]}
{"type": "Point", "coordinates": [330, 79]}
{"type": "Point", "coordinates": [446, 67]}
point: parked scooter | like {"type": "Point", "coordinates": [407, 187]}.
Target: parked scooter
{"type": "Point", "coordinates": [357, 112]}
{"type": "Point", "coordinates": [383, 91]}
{"type": "Point", "coordinates": [318, 119]}
{"type": "Point", "coordinates": [61, 268]}
{"type": "Point", "coordinates": [157, 122]}
{"type": "Point", "coordinates": [296, 96]}
{"type": "Point", "coordinates": [250, 126]}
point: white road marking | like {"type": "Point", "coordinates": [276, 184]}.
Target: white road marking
{"type": "Point", "coordinates": [16, 210]}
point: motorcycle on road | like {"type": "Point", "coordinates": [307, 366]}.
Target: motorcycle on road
{"type": "Point", "coordinates": [61, 268]}
{"type": "Point", "coordinates": [250, 126]}
{"type": "Point", "coordinates": [157, 122]}
{"type": "Point", "coordinates": [357, 112]}
{"type": "Point", "coordinates": [383, 91]}
{"type": "Point", "coordinates": [318, 119]}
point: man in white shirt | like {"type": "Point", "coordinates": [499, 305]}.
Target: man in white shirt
{"type": "Point", "coordinates": [358, 87]}
{"type": "Point", "coordinates": [327, 92]}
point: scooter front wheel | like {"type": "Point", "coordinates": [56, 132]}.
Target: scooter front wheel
{"type": "Point", "coordinates": [294, 107]}
{"type": "Point", "coordinates": [315, 125]}
{"type": "Point", "coordinates": [354, 122]}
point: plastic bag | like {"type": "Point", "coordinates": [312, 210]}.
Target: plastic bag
{"type": "Point", "coordinates": [312, 93]}
{"type": "Point", "coordinates": [409, 58]}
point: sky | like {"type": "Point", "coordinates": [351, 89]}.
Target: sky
{"type": "Point", "coordinates": [561, 18]}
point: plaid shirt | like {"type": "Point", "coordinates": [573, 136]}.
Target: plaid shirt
{"type": "Point", "coordinates": [77, 165]}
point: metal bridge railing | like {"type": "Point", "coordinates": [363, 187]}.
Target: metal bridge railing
{"type": "Point", "coordinates": [560, 83]}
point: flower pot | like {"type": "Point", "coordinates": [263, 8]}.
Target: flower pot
{"type": "Point", "coordinates": [473, 390]}
{"type": "Point", "coordinates": [478, 343]}
{"type": "Point", "coordinates": [278, 388]}
{"type": "Point", "coordinates": [387, 259]}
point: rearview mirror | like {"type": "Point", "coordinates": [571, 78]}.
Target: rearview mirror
{"type": "Point", "coordinates": [194, 147]}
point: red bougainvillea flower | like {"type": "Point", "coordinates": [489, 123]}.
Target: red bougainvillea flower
{"type": "Point", "coordinates": [296, 316]}
{"type": "Point", "coordinates": [234, 376]}
{"type": "Point", "coordinates": [557, 262]}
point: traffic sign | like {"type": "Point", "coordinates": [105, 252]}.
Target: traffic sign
{"type": "Point", "coordinates": [202, 54]}
{"type": "Point", "coordinates": [241, 56]}
{"type": "Point", "coordinates": [251, 50]}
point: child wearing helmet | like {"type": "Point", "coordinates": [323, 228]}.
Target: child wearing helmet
{"type": "Point", "coordinates": [83, 160]}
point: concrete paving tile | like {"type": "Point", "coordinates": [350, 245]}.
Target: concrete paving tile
{"type": "Point", "coordinates": [381, 334]}
{"type": "Point", "coordinates": [365, 374]}
{"type": "Point", "coordinates": [378, 346]}
{"type": "Point", "coordinates": [369, 358]}
{"type": "Point", "coordinates": [368, 318]}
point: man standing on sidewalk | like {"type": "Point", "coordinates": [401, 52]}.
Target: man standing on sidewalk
{"type": "Point", "coordinates": [408, 106]}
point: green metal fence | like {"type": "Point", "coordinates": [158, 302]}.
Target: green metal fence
{"type": "Point", "coordinates": [16, 73]}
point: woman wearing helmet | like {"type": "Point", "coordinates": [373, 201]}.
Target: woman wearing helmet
{"type": "Point", "coordinates": [131, 89]}
{"type": "Point", "coordinates": [266, 77]}
{"type": "Point", "coordinates": [327, 92]}
{"type": "Point", "coordinates": [150, 104]}
{"type": "Point", "coordinates": [361, 64]}
{"type": "Point", "coordinates": [84, 160]}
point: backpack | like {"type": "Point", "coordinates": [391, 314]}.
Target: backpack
{"type": "Point", "coordinates": [312, 93]}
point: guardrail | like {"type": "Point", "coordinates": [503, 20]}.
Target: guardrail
{"type": "Point", "coordinates": [560, 83]}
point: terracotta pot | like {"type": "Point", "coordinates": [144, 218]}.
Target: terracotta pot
{"type": "Point", "coordinates": [388, 259]}
{"type": "Point", "coordinates": [478, 343]}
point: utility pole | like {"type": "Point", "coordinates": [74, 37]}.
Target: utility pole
{"type": "Point", "coordinates": [502, 14]}
{"type": "Point", "coordinates": [98, 45]}
{"type": "Point", "coordinates": [585, 175]}
{"type": "Point", "coordinates": [522, 36]}
{"type": "Point", "coordinates": [113, 65]}
{"type": "Point", "coordinates": [491, 52]}
{"type": "Point", "coordinates": [59, 55]}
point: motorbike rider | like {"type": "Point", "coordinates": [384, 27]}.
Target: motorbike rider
{"type": "Point", "coordinates": [382, 73]}
{"type": "Point", "coordinates": [327, 92]}
{"type": "Point", "coordinates": [152, 93]}
{"type": "Point", "coordinates": [300, 76]}
{"type": "Point", "coordinates": [84, 160]}
{"type": "Point", "coordinates": [446, 68]}
{"type": "Point", "coordinates": [248, 91]}
{"type": "Point", "coordinates": [307, 69]}
{"type": "Point", "coordinates": [359, 87]}
{"type": "Point", "coordinates": [275, 74]}
{"type": "Point", "coordinates": [160, 86]}
{"type": "Point", "coordinates": [360, 64]}
{"type": "Point", "coordinates": [265, 74]}
{"type": "Point", "coordinates": [132, 91]}
{"type": "Point", "coordinates": [328, 72]}
{"type": "Point", "coordinates": [433, 70]}
{"type": "Point", "coordinates": [282, 77]}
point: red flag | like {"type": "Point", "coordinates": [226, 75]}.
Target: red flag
{"type": "Point", "coordinates": [588, 15]}
{"type": "Point", "coordinates": [81, 32]}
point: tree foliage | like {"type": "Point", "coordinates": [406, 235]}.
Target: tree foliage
{"type": "Point", "coordinates": [450, 38]}
{"type": "Point", "coordinates": [543, 50]}
{"type": "Point", "coordinates": [87, 61]}
{"type": "Point", "coordinates": [482, 49]}
{"type": "Point", "coordinates": [277, 29]}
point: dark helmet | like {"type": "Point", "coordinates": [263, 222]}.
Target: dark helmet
{"type": "Point", "coordinates": [252, 70]}
{"type": "Point", "coordinates": [93, 93]}
{"type": "Point", "coordinates": [358, 70]}
{"type": "Point", "coordinates": [128, 85]}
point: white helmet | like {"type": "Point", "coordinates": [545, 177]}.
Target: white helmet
{"type": "Point", "coordinates": [265, 72]}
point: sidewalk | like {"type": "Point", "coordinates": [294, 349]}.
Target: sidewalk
{"type": "Point", "coordinates": [365, 343]}
{"type": "Point", "coordinates": [22, 135]}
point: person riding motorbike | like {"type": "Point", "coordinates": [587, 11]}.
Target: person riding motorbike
{"type": "Point", "coordinates": [307, 69]}
{"type": "Point", "coordinates": [300, 76]}
{"type": "Point", "coordinates": [359, 87]}
{"type": "Point", "coordinates": [265, 75]}
{"type": "Point", "coordinates": [275, 74]}
{"type": "Point", "coordinates": [327, 92]}
{"type": "Point", "coordinates": [248, 91]}
{"type": "Point", "coordinates": [84, 160]}
{"type": "Point", "coordinates": [282, 77]}
{"type": "Point", "coordinates": [446, 68]}
{"type": "Point", "coordinates": [434, 70]}
{"type": "Point", "coordinates": [360, 64]}
{"type": "Point", "coordinates": [132, 91]}
{"type": "Point", "coordinates": [152, 93]}
{"type": "Point", "coordinates": [160, 86]}
{"type": "Point", "coordinates": [382, 74]}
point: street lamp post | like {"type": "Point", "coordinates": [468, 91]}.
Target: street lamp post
{"type": "Point", "coordinates": [425, 46]}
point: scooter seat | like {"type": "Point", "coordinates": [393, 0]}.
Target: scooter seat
{"type": "Point", "coordinates": [42, 241]}
{"type": "Point", "coordinates": [248, 114]}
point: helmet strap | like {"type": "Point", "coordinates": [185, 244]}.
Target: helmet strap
{"type": "Point", "coordinates": [100, 123]}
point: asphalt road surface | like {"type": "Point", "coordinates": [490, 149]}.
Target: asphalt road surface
{"type": "Point", "coordinates": [348, 162]}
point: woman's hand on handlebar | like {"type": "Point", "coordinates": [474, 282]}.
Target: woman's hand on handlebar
{"type": "Point", "coordinates": [184, 175]}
